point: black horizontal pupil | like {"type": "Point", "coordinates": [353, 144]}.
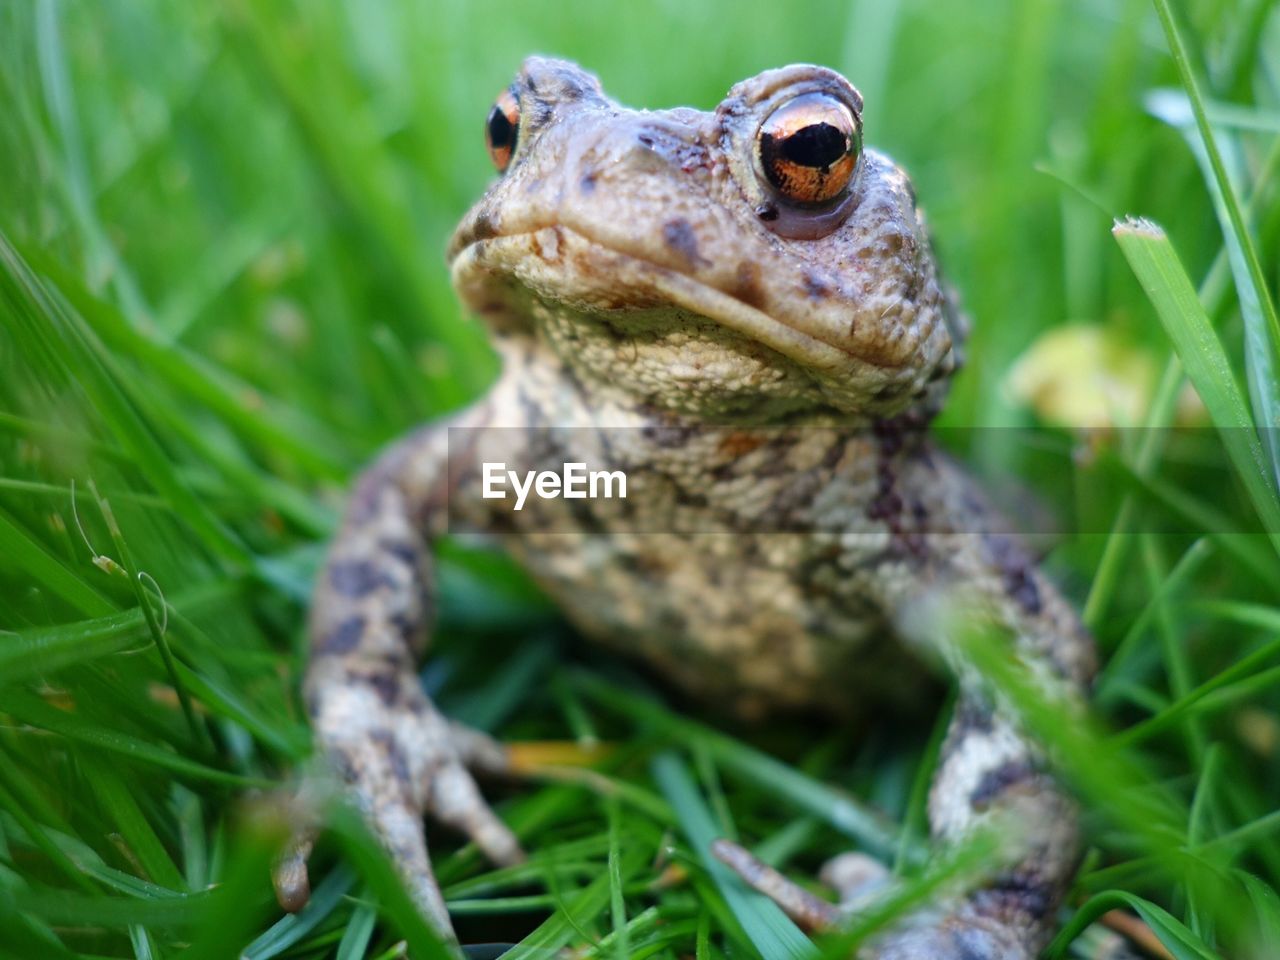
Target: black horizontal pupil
{"type": "Point", "coordinates": [502, 132]}
{"type": "Point", "coordinates": [817, 145]}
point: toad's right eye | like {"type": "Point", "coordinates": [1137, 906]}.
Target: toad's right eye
{"type": "Point", "coordinates": [808, 148]}
{"type": "Point", "coordinates": [501, 129]}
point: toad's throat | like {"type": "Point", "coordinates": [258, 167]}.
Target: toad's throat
{"type": "Point", "coordinates": [475, 258]}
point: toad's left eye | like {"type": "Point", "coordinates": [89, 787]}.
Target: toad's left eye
{"type": "Point", "coordinates": [501, 128]}
{"type": "Point", "coordinates": [808, 148]}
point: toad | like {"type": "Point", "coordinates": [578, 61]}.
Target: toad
{"type": "Point", "coordinates": [741, 312]}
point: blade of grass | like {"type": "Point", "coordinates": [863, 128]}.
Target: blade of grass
{"type": "Point", "coordinates": [578, 912]}
{"type": "Point", "coordinates": [768, 928]}
{"type": "Point", "coordinates": [40, 838]}
{"type": "Point", "coordinates": [1262, 325]}
{"type": "Point", "coordinates": [260, 418]}
{"type": "Point", "coordinates": [1187, 565]}
{"type": "Point", "coordinates": [50, 572]}
{"type": "Point", "coordinates": [843, 812]}
{"type": "Point", "coordinates": [43, 316]}
{"type": "Point", "coordinates": [103, 259]}
{"type": "Point", "coordinates": [1110, 566]}
{"type": "Point", "coordinates": [44, 651]}
{"type": "Point", "coordinates": [1160, 272]}
{"type": "Point", "coordinates": [1180, 941]}
{"type": "Point", "coordinates": [358, 932]}
{"type": "Point", "coordinates": [1213, 294]}
{"type": "Point", "coordinates": [288, 930]}
{"type": "Point", "coordinates": [1256, 557]}
{"type": "Point", "coordinates": [122, 810]}
{"type": "Point", "coordinates": [23, 936]}
{"type": "Point", "coordinates": [617, 904]}
{"type": "Point", "coordinates": [31, 709]}
{"type": "Point", "coordinates": [155, 627]}
{"type": "Point", "coordinates": [62, 908]}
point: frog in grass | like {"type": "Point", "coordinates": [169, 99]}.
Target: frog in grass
{"type": "Point", "coordinates": [740, 310]}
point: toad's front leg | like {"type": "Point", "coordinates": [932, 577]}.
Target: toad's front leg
{"type": "Point", "coordinates": [399, 755]}
{"type": "Point", "coordinates": [988, 769]}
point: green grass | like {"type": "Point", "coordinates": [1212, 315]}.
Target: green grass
{"type": "Point", "coordinates": [222, 288]}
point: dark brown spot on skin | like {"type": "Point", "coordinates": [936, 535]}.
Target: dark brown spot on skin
{"type": "Point", "coordinates": [692, 157]}
{"type": "Point", "coordinates": [1017, 571]}
{"type": "Point", "coordinates": [482, 227]}
{"type": "Point", "coordinates": [668, 435]}
{"type": "Point", "coordinates": [905, 423]}
{"type": "Point", "coordinates": [386, 686]}
{"type": "Point", "coordinates": [815, 288]}
{"type": "Point", "coordinates": [571, 91]}
{"type": "Point", "coordinates": [346, 766]}
{"type": "Point", "coordinates": [354, 578]}
{"type": "Point", "coordinates": [402, 550]}
{"type": "Point", "coordinates": [1022, 892]}
{"type": "Point", "coordinates": [884, 506]}
{"type": "Point", "coordinates": [740, 442]}
{"type": "Point", "coordinates": [690, 498]}
{"type": "Point", "coordinates": [972, 717]}
{"type": "Point", "coordinates": [408, 624]}
{"type": "Point", "coordinates": [920, 513]}
{"type": "Point", "coordinates": [395, 756]}
{"type": "Point", "coordinates": [1025, 593]}
{"type": "Point", "coordinates": [585, 519]}
{"type": "Point", "coordinates": [343, 638]}
{"type": "Point", "coordinates": [995, 782]}
{"type": "Point", "coordinates": [588, 182]}
{"type": "Point", "coordinates": [748, 288]}
{"type": "Point", "coordinates": [680, 237]}
{"type": "Point", "coordinates": [673, 621]}
{"type": "Point", "coordinates": [651, 566]}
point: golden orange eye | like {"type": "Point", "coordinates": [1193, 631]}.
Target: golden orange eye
{"type": "Point", "coordinates": [502, 127]}
{"type": "Point", "coordinates": [808, 148]}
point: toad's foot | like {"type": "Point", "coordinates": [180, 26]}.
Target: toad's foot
{"type": "Point", "coordinates": [402, 762]}
{"type": "Point", "coordinates": [961, 934]}
{"type": "Point", "coordinates": [401, 759]}
{"type": "Point", "coordinates": [811, 913]}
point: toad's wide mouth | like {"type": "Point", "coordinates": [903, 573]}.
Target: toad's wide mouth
{"type": "Point", "coordinates": [473, 257]}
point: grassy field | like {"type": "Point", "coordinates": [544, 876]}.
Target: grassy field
{"type": "Point", "coordinates": [222, 288]}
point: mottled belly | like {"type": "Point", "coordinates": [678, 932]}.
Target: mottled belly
{"type": "Point", "coordinates": [751, 622]}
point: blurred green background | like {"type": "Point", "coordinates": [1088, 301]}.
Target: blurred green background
{"type": "Point", "coordinates": [222, 289]}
